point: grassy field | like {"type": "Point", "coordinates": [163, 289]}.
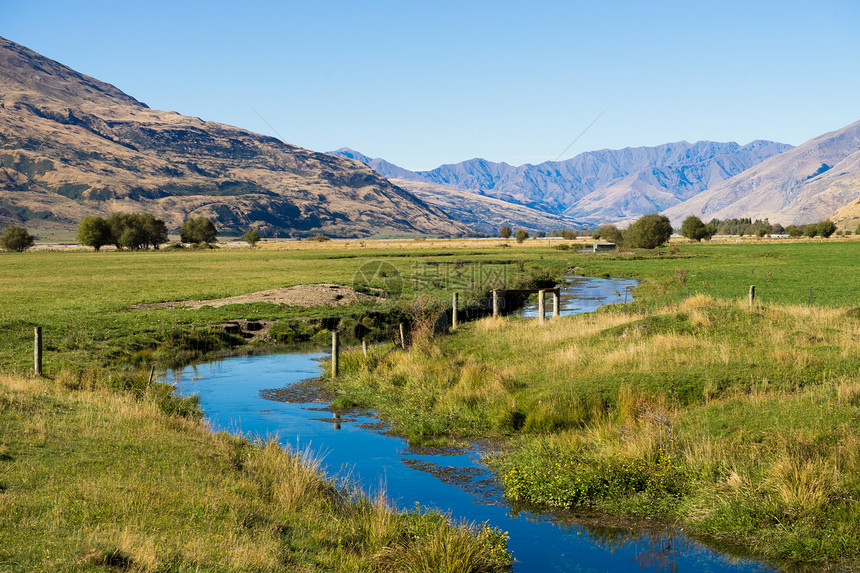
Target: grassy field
{"type": "Point", "coordinates": [741, 423]}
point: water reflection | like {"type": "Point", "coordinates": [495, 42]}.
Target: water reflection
{"type": "Point", "coordinates": [242, 395]}
{"type": "Point", "coordinates": [586, 294]}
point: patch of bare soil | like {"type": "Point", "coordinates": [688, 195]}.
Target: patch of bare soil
{"type": "Point", "coordinates": [299, 295]}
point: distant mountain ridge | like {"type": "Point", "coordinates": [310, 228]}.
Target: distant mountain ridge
{"type": "Point", "coordinates": [73, 146]}
{"type": "Point", "coordinates": [805, 184]}
{"type": "Point", "coordinates": [597, 186]}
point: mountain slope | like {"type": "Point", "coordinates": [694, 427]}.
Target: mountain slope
{"type": "Point", "coordinates": [802, 185]}
{"type": "Point", "coordinates": [598, 186]}
{"type": "Point", "coordinates": [482, 213]}
{"type": "Point", "coordinates": [72, 146]}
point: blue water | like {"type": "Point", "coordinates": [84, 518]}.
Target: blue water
{"type": "Point", "coordinates": [232, 394]}
{"type": "Point", "coordinates": [585, 294]}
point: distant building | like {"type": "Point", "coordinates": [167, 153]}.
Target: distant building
{"type": "Point", "coordinates": [603, 246]}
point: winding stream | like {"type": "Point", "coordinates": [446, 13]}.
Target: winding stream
{"type": "Point", "coordinates": [237, 394]}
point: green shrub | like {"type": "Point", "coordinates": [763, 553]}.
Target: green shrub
{"type": "Point", "coordinates": [521, 235]}
{"type": "Point", "coordinates": [16, 238]}
{"type": "Point", "coordinates": [648, 232]}
{"type": "Point", "coordinates": [198, 230]}
{"type": "Point", "coordinates": [95, 232]}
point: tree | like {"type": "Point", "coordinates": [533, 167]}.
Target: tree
{"type": "Point", "coordinates": [521, 235]}
{"type": "Point", "coordinates": [694, 229]}
{"type": "Point", "coordinates": [810, 230]}
{"type": "Point", "coordinates": [252, 237]}
{"type": "Point", "coordinates": [648, 232]}
{"type": "Point", "coordinates": [198, 230]}
{"type": "Point", "coordinates": [609, 233]}
{"type": "Point", "coordinates": [825, 228]}
{"type": "Point", "coordinates": [794, 231]}
{"type": "Point", "coordinates": [95, 232]}
{"type": "Point", "coordinates": [505, 231]}
{"type": "Point", "coordinates": [16, 238]}
{"type": "Point", "coordinates": [137, 230]}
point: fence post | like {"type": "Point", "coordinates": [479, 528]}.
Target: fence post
{"type": "Point", "coordinates": [403, 336]}
{"type": "Point", "coordinates": [37, 350]}
{"type": "Point", "coordinates": [335, 353]}
{"type": "Point", "coordinates": [556, 303]}
{"type": "Point", "coordinates": [810, 296]}
{"type": "Point", "coordinates": [752, 295]}
{"type": "Point", "coordinates": [541, 306]}
{"type": "Point", "coordinates": [364, 346]}
{"type": "Point", "coordinates": [495, 302]}
{"type": "Point", "coordinates": [454, 304]}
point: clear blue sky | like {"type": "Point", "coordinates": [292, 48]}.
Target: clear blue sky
{"type": "Point", "coordinates": [426, 83]}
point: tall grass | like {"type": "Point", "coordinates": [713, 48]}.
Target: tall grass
{"type": "Point", "coordinates": [738, 421]}
{"type": "Point", "coordinates": [93, 479]}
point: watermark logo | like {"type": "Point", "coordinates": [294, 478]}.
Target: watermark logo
{"type": "Point", "coordinates": [380, 278]}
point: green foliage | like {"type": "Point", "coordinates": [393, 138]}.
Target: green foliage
{"type": "Point", "coordinates": [521, 235]}
{"type": "Point", "coordinates": [198, 230]}
{"type": "Point", "coordinates": [648, 232]}
{"type": "Point", "coordinates": [135, 231]}
{"type": "Point", "coordinates": [810, 230]}
{"type": "Point", "coordinates": [794, 231]}
{"type": "Point", "coordinates": [319, 238]}
{"type": "Point", "coordinates": [825, 228]}
{"type": "Point", "coordinates": [609, 233]}
{"type": "Point", "coordinates": [742, 226]}
{"type": "Point", "coordinates": [252, 237]}
{"type": "Point", "coordinates": [505, 231]}
{"type": "Point", "coordinates": [95, 232]}
{"type": "Point", "coordinates": [16, 238]}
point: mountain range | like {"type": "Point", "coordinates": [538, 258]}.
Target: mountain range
{"type": "Point", "coordinates": [802, 185]}
{"type": "Point", "coordinates": [72, 146]}
{"type": "Point", "coordinates": [606, 186]}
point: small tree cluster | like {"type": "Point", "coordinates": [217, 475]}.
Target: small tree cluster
{"type": "Point", "coordinates": [198, 230]}
{"type": "Point", "coordinates": [131, 231]}
{"type": "Point", "coordinates": [521, 235]}
{"type": "Point", "coordinates": [609, 233]}
{"type": "Point", "coordinates": [505, 231]}
{"type": "Point", "coordinates": [694, 229]}
{"type": "Point", "coordinates": [823, 228]}
{"type": "Point", "coordinates": [648, 232]}
{"type": "Point", "coordinates": [16, 238]}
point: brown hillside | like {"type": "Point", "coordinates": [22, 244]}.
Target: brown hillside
{"type": "Point", "coordinates": [72, 146]}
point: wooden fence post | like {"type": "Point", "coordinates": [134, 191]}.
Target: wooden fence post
{"type": "Point", "coordinates": [541, 306]}
{"type": "Point", "coordinates": [454, 303]}
{"type": "Point", "coordinates": [556, 303]}
{"type": "Point", "coordinates": [495, 302]}
{"type": "Point", "coordinates": [752, 295]}
{"type": "Point", "coordinates": [364, 346]}
{"type": "Point", "coordinates": [403, 336]}
{"type": "Point", "coordinates": [335, 353]}
{"type": "Point", "coordinates": [37, 350]}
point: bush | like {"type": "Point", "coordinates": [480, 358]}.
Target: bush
{"type": "Point", "coordinates": [609, 233]}
{"type": "Point", "coordinates": [694, 229]}
{"type": "Point", "coordinates": [95, 232]}
{"type": "Point", "coordinates": [648, 232]}
{"type": "Point", "coordinates": [16, 238]}
{"type": "Point", "coordinates": [521, 235]}
{"type": "Point", "coordinates": [825, 228]}
{"type": "Point", "coordinates": [136, 231]}
{"type": "Point", "coordinates": [810, 230]}
{"type": "Point", "coordinates": [794, 231]}
{"type": "Point", "coordinates": [252, 237]}
{"type": "Point", "coordinates": [198, 230]}
{"type": "Point", "coordinates": [505, 231]}
{"type": "Point", "coordinates": [320, 238]}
